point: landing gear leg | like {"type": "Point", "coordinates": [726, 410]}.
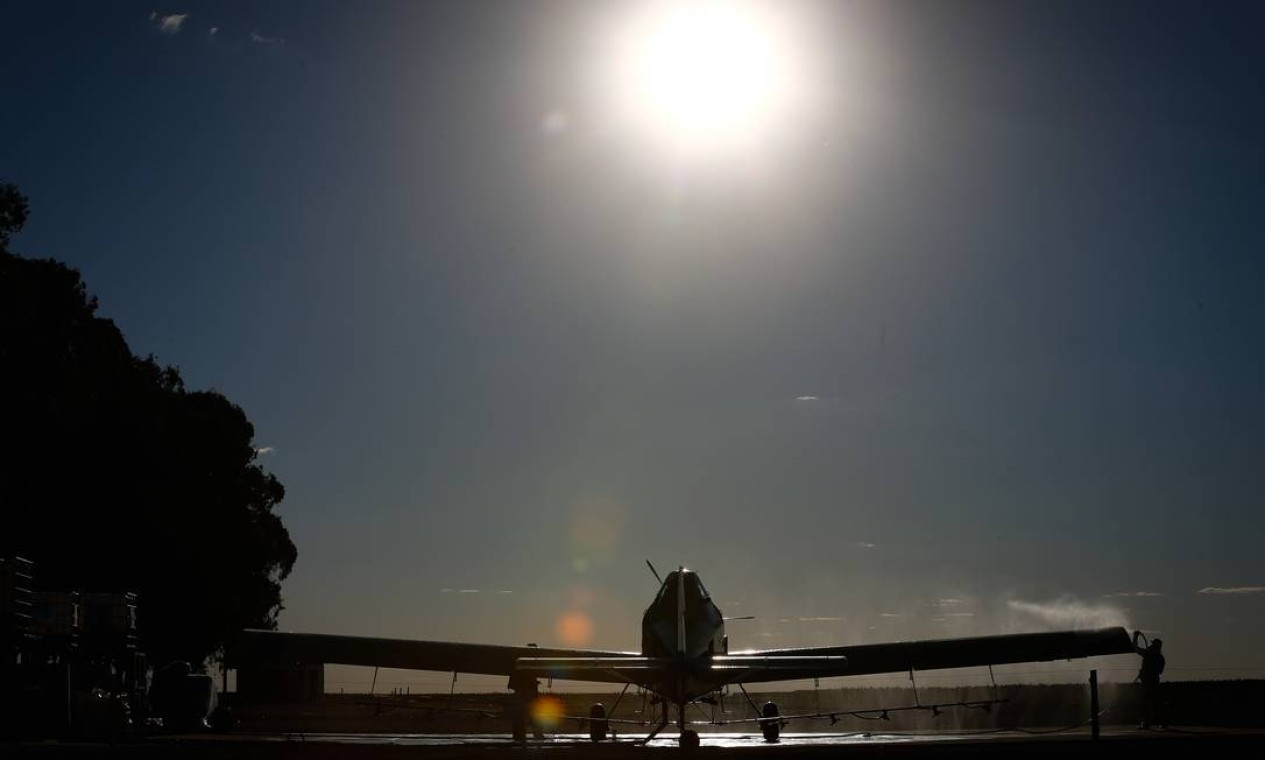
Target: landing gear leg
{"type": "Point", "coordinates": [662, 724]}
{"type": "Point", "coordinates": [689, 737]}
{"type": "Point", "coordinates": [770, 722]}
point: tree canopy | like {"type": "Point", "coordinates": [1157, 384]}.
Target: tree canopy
{"type": "Point", "coordinates": [115, 477]}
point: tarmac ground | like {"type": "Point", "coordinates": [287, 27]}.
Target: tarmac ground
{"type": "Point", "coordinates": [1114, 741]}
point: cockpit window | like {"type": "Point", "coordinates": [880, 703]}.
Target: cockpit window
{"type": "Point", "coordinates": [694, 591]}
{"type": "Point", "coordinates": [669, 585]}
{"type": "Point", "coordinates": [701, 589]}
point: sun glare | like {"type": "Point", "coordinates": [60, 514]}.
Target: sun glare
{"type": "Point", "coordinates": [703, 73]}
{"type": "Point", "coordinates": [705, 66]}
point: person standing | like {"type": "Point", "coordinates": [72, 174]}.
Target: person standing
{"type": "Point", "coordinates": [1149, 677]}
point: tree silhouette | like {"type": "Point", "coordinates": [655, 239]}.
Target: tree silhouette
{"type": "Point", "coordinates": [115, 477]}
{"type": "Point", "coordinates": [12, 212]}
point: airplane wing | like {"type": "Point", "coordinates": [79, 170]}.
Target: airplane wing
{"type": "Point", "coordinates": [934, 654]}
{"type": "Point", "coordinates": [256, 646]}
{"type": "Point", "coordinates": [822, 662]}
{"type": "Point", "coordinates": [648, 671]}
{"type": "Point", "coordinates": [273, 647]}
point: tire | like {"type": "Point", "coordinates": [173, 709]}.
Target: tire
{"type": "Point", "coordinates": [598, 725]}
{"type": "Point", "coordinates": [771, 729]}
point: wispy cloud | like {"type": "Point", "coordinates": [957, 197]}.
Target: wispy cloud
{"type": "Point", "coordinates": [1129, 594]}
{"type": "Point", "coordinates": [808, 398]}
{"type": "Point", "coordinates": [259, 39]}
{"type": "Point", "coordinates": [170, 23]}
{"type": "Point", "coordinates": [1070, 613]}
{"type": "Point", "coordinates": [819, 619]}
{"type": "Point", "coordinates": [1233, 590]}
{"type": "Point", "coordinates": [865, 544]}
{"type": "Point", "coordinates": [264, 451]}
{"type": "Point", "coordinates": [213, 31]}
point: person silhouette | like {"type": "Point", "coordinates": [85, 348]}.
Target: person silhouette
{"type": "Point", "coordinates": [1149, 677]}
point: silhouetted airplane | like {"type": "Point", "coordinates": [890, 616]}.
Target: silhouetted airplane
{"type": "Point", "coordinates": [684, 658]}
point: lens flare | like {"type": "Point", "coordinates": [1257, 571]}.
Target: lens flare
{"type": "Point", "coordinates": [582, 596]}
{"type": "Point", "coordinates": [546, 711]}
{"type": "Point", "coordinates": [575, 629]}
{"type": "Point", "coordinates": [597, 524]}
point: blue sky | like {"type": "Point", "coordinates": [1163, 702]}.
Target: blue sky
{"type": "Point", "coordinates": [973, 316]}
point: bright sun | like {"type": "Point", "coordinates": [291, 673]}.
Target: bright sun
{"type": "Point", "coordinates": [705, 66]}
{"type": "Point", "coordinates": [695, 73]}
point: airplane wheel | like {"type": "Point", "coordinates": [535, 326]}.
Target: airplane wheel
{"type": "Point", "coordinates": [689, 739]}
{"type": "Point", "coordinates": [770, 728]}
{"type": "Point", "coordinates": [598, 725]}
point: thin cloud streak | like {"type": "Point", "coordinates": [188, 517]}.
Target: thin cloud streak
{"type": "Point", "coordinates": [807, 398]}
{"type": "Point", "coordinates": [1233, 590]}
{"type": "Point", "coordinates": [259, 39]}
{"type": "Point", "coordinates": [472, 591]}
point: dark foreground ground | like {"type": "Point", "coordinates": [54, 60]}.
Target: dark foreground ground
{"type": "Point", "coordinates": [1209, 704]}
{"type": "Point", "coordinates": [1115, 742]}
{"type": "Point", "coordinates": [1208, 720]}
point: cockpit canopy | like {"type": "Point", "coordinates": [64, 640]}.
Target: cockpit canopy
{"type": "Point", "coordinates": [695, 593]}
{"type": "Point", "coordinates": [699, 619]}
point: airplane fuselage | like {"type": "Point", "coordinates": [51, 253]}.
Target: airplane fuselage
{"type": "Point", "coordinates": [685, 626]}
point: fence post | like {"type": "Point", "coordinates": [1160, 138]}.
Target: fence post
{"type": "Point", "coordinates": [1093, 704]}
